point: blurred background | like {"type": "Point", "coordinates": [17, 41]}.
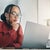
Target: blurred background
{"type": "Point", "coordinates": [37, 11]}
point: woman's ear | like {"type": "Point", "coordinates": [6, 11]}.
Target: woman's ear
{"type": "Point", "coordinates": [6, 15]}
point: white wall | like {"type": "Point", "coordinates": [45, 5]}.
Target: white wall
{"type": "Point", "coordinates": [29, 11]}
{"type": "Point", "coordinates": [43, 11]}
{"type": "Point", "coordinates": [35, 10]}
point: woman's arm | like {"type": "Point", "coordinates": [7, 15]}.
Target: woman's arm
{"type": "Point", "coordinates": [1, 33]}
{"type": "Point", "coordinates": [1, 23]}
{"type": "Point", "coordinates": [20, 38]}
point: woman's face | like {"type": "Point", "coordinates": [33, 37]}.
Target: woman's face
{"type": "Point", "coordinates": [14, 15]}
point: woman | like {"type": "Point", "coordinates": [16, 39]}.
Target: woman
{"type": "Point", "coordinates": [11, 34]}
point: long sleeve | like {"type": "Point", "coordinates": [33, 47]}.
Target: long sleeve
{"type": "Point", "coordinates": [0, 26]}
{"type": "Point", "coordinates": [0, 33]}
{"type": "Point", "coordinates": [8, 36]}
{"type": "Point", "coordinates": [4, 38]}
{"type": "Point", "coordinates": [19, 39]}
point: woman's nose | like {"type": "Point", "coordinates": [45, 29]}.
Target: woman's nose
{"type": "Point", "coordinates": [16, 17]}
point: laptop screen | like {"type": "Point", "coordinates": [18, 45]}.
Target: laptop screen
{"type": "Point", "coordinates": [35, 35]}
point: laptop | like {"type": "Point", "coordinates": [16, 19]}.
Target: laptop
{"type": "Point", "coordinates": [35, 35]}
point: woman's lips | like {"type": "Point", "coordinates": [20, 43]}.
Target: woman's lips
{"type": "Point", "coordinates": [15, 20]}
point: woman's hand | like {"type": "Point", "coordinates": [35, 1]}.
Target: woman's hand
{"type": "Point", "coordinates": [15, 26]}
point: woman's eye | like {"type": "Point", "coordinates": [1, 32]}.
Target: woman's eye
{"type": "Point", "coordinates": [14, 14]}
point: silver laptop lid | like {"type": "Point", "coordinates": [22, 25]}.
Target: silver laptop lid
{"type": "Point", "coordinates": [35, 35]}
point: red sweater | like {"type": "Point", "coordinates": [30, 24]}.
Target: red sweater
{"type": "Point", "coordinates": [10, 37]}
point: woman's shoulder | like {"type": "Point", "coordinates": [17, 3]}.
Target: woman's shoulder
{"type": "Point", "coordinates": [1, 22]}
{"type": "Point", "coordinates": [1, 25]}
